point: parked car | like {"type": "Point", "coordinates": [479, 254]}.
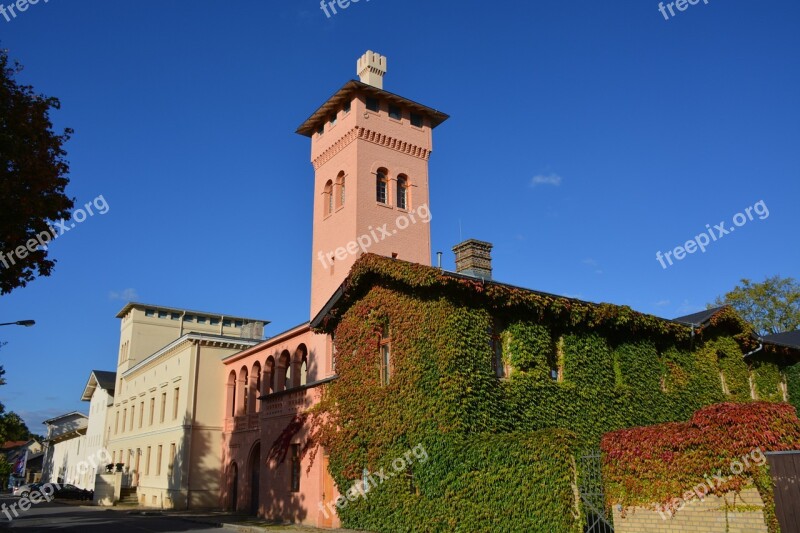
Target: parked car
{"type": "Point", "coordinates": [24, 490]}
{"type": "Point", "coordinates": [71, 492]}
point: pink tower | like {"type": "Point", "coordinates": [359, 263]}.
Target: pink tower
{"type": "Point", "coordinates": [370, 151]}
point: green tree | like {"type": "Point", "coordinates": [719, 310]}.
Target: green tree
{"type": "Point", "coordinates": [5, 470]}
{"type": "Point", "coordinates": [772, 306]}
{"type": "Point", "coordinates": [12, 427]}
{"type": "Point", "coordinates": [33, 177]}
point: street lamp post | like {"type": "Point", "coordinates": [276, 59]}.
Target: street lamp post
{"type": "Point", "coordinates": [25, 323]}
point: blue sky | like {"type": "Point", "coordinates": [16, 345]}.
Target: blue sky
{"type": "Point", "coordinates": [585, 137]}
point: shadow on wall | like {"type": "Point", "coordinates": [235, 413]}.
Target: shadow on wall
{"type": "Point", "coordinates": [264, 489]}
{"type": "Point", "coordinates": [278, 502]}
{"type": "Point", "coordinates": [193, 473]}
{"type": "Point", "coordinates": [47, 463]}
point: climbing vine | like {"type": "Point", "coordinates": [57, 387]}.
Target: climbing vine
{"type": "Point", "coordinates": [499, 455]}
{"type": "Point", "coordinates": [724, 443]}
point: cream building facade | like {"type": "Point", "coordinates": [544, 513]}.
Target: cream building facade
{"type": "Point", "coordinates": [65, 450]}
{"type": "Point", "coordinates": [165, 425]}
{"type": "Point", "coordinates": [99, 392]}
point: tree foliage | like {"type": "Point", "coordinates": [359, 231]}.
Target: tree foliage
{"type": "Point", "coordinates": [33, 177]}
{"type": "Point", "coordinates": [772, 306]}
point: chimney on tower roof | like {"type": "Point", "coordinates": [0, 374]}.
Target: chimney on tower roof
{"type": "Point", "coordinates": [371, 68]}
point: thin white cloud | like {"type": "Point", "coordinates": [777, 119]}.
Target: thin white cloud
{"type": "Point", "coordinates": [128, 295]}
{"type": "Point", "coordinates": [687, 308]}
{"type": "Point", "coordinates": [549, 179]}
{"type": "Point", "coordinates": [662, 303]}
{"type": "Point", "coordinates": [593, 264]}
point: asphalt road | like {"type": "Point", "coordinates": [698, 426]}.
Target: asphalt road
{"type": "Point", "coordinates": [55, 516]}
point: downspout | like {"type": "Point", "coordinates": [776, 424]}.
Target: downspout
{"type": "Point", "coordinates": [760, 347]}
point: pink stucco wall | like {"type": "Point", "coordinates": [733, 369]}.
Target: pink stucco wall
{"type": "Point", "coordinates": [249, 435]}
{"type": "Point", "coordinates": [359, 144]}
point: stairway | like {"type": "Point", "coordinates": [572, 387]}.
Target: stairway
{"type": "Point", "coordinates": [128, 496]}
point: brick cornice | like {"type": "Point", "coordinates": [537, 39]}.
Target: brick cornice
{"type": "Point", "coordinates": [375, 138]}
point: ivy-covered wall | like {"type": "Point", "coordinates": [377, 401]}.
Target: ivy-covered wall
{"type": "Point", "coordinates": [793, 384]}
{"type": "Point", "coordinates": [496, 445]}
{"type": "Point", "coordinates": [721, 449]}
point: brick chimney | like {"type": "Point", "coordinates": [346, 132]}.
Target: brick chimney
{"type": "Point", "coordinates": [371, 69]}
{"type": "Point", "coordinates": [474, 258]}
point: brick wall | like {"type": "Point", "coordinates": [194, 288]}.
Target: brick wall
{"type": "Point", "coordinates": [708, 516]}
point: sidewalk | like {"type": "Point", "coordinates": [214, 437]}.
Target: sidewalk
{"type": "Point", "coordinates": [232, 521]}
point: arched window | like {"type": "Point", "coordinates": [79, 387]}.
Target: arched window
{"type": "Point", "coordinates": [266, 380]}
{"type": "Point", "coordinates": [340, 190]}
{"type": "Point", "coordinates": [300, 366]}
{"type": "Point", "coordinates": [382, 186]}
{"type": "Point", "coordinates": [282, 372]}
{"type": "Point", "coordinates": [402, 192]}
{"type": "Point", "coordinates": [241, 394]}
{"type": "Point", "coordinates": [327, 197]}
{"type": "Point", "coordinates": [255, 388]}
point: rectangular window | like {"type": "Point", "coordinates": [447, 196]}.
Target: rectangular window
{"type": "Point", "coordinates": [238, 323]}
{"type": "Point", "coordinates": [152, 409]}
{"type": "Point", "coordinates": [499, 367]}
{"type": "Point", "coordinates": [417, 120]}
{"type": "Point", "coordinates": [385, 364]}
{"type": "Point", "coordinates": [158, 461]}
{"type": "Point", "coordinates": [188, 318]}
{"type": "Point", "coordinates": [373, 104]}
{"type": "Point", "coordinates": [386, 352]}
{"type": "Point", "coordinates": [395, 112]}
{"type": "Point", "coordinates": [124, 418]}
{"type": "Point", "coordinates": [141, 414]}
{"type": "Point", "coordinates": [116, 423]}
{"type": "Point", "coordinates": [346, 107]}
{"type": "Point", "coordinates": [147, 462]}
{"type": "Point", "coordinates": [201, 320]}
{"type": "Point", "coordinates": [295, 468]}
{"type": "Point", "coordinates": [149, 312]}
{"type": "Point", "coordinates": [133, 412]}
{"type": "Point", "coordinates": [175, 316]}
{"type": "Point", "coordinates": [214, 321]}
{"type": "Point", "coordinates": [162, 314]}
{"type": "Point", "coordinates": [176, 396]}
{"type": "Point", "coordinates": [226, 323]}
{"type": "Point", "coordinates": [171, 456]}
{"type": "Point", "coordinates": [163, 406]}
